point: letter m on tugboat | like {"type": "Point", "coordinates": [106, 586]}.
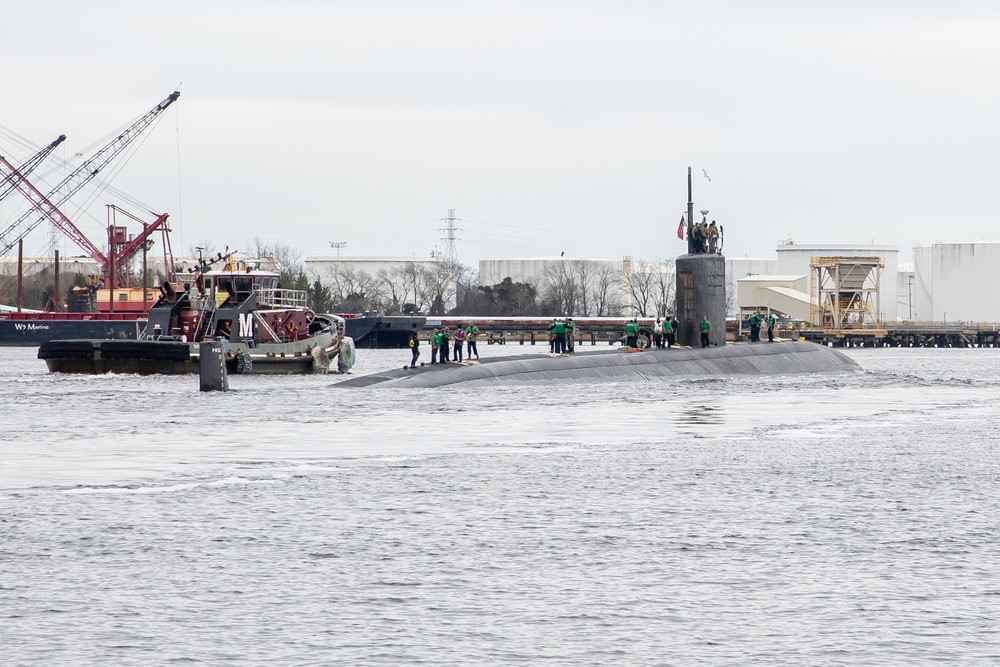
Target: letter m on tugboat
{"type": "Point", "coordinates": [246, 325]}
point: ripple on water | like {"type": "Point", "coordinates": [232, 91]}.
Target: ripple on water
{"type": "Point", "coordinates": [798, 520]}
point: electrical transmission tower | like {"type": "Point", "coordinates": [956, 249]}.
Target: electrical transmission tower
{"type": "Point", "coordinates": [450, 252]}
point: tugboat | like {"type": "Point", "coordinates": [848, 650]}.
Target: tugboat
{"type": "Point", "coordinates": [265, 329]}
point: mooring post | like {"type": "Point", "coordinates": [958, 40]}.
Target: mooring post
{"type": "Point", "coordinates": [212, 366]}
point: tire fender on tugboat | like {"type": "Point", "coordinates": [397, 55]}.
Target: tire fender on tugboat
{"type": "Point", "coordinates": [346, 357]}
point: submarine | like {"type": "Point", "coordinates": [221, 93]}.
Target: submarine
{"type": "Point", "coordinates": [745, 359]}
{"type": "Point", "coordinates": [700, 295]}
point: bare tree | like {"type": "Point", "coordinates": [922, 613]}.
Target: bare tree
{"type": "Point", "coordinates": [606, 293]}
{"type": "Point", "coordinates": [204, 249]}
{"type": "Point", "coordinates": [437, 288]}
{"type": "Point", "coordinates": [466, 281]}
{"type": "Point", "coordinates": [390, 288]}
{"type": "Point", "coordinates": [412, 280]}
{"type": "Point", "coordinates": [665, 287]}
{"type": "Point", "coordinates": [258, 249]}
{"type": "Point", "coordinates": [585, 274]}
{"type": "Point", "coordinates": [640, 284]}
{"type": "Point", "coordinates": [351, 289]}
{"type": "Point", "coordinates": [558, 288]}
{"type": "Point", "coordinates": [287, 260]}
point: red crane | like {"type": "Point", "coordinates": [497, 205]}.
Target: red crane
{"type": "Point", "coordinates": [40, 204]}
{"type": "Point", "coordinates": [122, 250]}
{"type": "Point", "coordinates": [46, 207]}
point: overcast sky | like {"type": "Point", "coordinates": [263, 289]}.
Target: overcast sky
{"type": "Point", "coordinates": [562, 126]}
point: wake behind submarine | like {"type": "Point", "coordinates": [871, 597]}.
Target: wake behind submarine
{"type": "Point", "coordinates": [701, 294]}
{"type": "Point", "coordinates": [616, 366]}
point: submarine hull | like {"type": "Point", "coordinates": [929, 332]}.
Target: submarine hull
{"type": "Point", "coordinates": [618, 366]}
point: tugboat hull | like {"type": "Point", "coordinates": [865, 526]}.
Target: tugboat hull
{"type": "Point", "coordinates": [157, 357]}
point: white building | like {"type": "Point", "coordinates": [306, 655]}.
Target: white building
{"type": "Point", "coordinates": [793, 260]}
{"type": "Point", "coordinates": [533, 269]}
{"type": "Point", "coordinates": [33, 265]}
{"type": "Point", "coordinates": [905, 293]}
{"type": "Point", "coordinates": [738, 268]}
{"type": "Point", "coordinates": [786, 295]}
{"type": "Point", "coordinates": [956, 282]}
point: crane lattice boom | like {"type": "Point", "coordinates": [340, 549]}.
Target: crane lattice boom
{"type": "Point", "coordinates": [28, 166]}
{"type": "Point", "coordinates": [40, 204]}
{"type": "Point", "coordinates": [75, 181]}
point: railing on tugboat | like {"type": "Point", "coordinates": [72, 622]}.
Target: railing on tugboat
{"type": "Point", "coordinates": [281, 298]}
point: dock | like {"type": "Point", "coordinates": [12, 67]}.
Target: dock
{"type": "Point", "coordinates": [928, 334]}
{"type": "Point", "coordinates": [610, 330]}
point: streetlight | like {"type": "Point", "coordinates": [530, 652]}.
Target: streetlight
{"type": "Point", "coordinates": [338, 245]}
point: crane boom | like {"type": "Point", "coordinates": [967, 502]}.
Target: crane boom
{"type": "Point", "coordinates": [41, 205]}
{"type": "Point", "coordinates": [28, 166]}
{"type": "Point", "coordinates": [76, 180]}
{"type": "Point", "coordinates": [123, 255]}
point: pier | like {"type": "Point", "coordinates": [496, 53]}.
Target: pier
{"type": "Point", "coordinates": [609, 330]}
{"type": "Point", "coordinates": [925, 334]}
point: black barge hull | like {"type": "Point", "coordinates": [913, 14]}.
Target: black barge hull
{"type": "Point", "coordinates": [32, 333]}
{"type": "Point", "coordinates": [383, 331]}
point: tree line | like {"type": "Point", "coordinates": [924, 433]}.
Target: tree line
{"type": "Point", "coordinates": [573, 287]}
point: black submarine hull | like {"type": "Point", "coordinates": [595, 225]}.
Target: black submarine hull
{"type": "Point", "coordinates": [620, 366]}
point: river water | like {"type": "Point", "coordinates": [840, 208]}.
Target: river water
{"type": "Point", "coordinates": [752, 521]}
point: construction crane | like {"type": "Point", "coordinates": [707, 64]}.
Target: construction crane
{"type": "Point", "coordinates": [114, 264]}
{"type": "Point", "coordinates": [43, 206]}
{"type": "Point", "coordinates": [120, 250]}
{"type": "Point", "coordinates": [70, 185]}
{"type": "Point", "coordinates": [28, 166]}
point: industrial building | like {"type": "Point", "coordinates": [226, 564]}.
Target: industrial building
{"type": "Point", "coordinates": [794, 259]}
{"type": "Point", "coordinates": [534, 269]}
{"type": "Point", "coordinates": [804, 282]}
{"type": "Point", "coordinates": [955, 282]}
{"type": "Point", "coordinates": [738, 268]}
{"type": "Point", "coordinates": [786, 295]}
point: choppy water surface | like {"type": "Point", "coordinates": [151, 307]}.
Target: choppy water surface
{"type": "Point", "coordinates": [799, 520]}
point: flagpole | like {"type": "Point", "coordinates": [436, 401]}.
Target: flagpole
{"type": "Point", "coordinates": [690, 214]}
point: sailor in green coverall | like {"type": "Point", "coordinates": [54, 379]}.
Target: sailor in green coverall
{"type": "Point", "coordinates": [632, 334]}
{"type": "Point", "coordinates": [435, 340]}
{"type": "Point", "coordinates": [445, 347]}
{"type": "Point", "coordinates": [471, 332]}
{"type": "Point", "coordinates": [706, 328]}
{"type": "Point", "coordinates": [558, 330]}
{"type": "Point", "coordinates": [668, 332]}
{"type": "Point", "coordinates": [755, 327]}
